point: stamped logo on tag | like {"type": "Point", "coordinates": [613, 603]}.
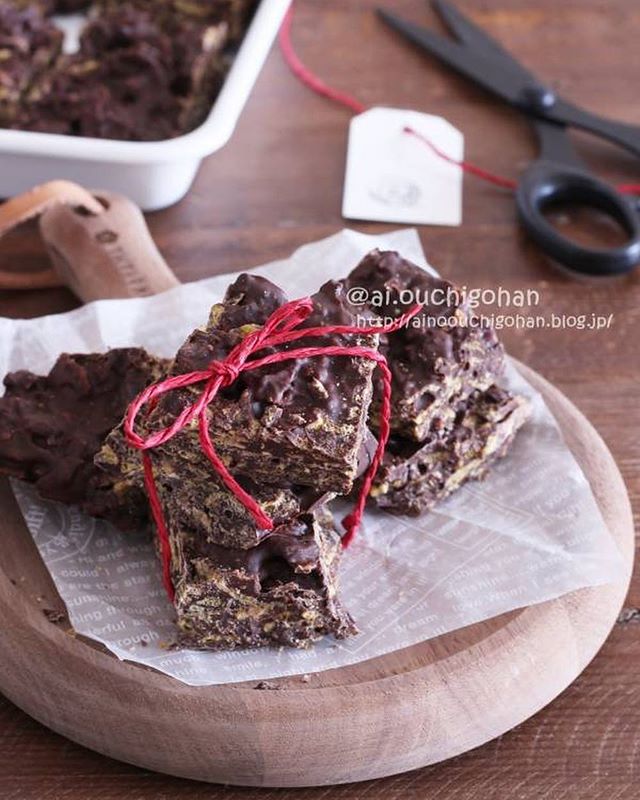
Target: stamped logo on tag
{"type": "Point", "coordinates": [394, 177]}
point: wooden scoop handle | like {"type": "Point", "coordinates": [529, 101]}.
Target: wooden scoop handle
{"type": "Point", "coordinates": [105, 255]}
{"type": "Point", "coordinates": [31, 204]}
{"type": "Point", "coordinates": [36, 201]}
{"type": "Point", "coordinates": [99, 244]}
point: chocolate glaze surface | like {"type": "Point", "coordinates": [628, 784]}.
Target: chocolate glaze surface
{"type": "Point", "coordinates": [29, 43]}
{"type": "Point", "coordinates": [52, 426]}
{"type": "Point", "coordinates": [282, 592]}
{"type": "Point", "coordinates": [146, 69]}
{"type": "Point", "coordinates": [414, 476]}
{"type": "Point", "coordinates": [301, 421]}
{"type": "Point", "coordinates": [440, 355]}
{"type": "Point", "coordinates": [136, 76]}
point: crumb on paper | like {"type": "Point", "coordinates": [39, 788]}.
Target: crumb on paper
{"type": "Point", "coordinates": [269, 685]}
{"type": "Point", "coordinates": [54, 616]}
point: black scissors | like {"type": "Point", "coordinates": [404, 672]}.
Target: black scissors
{"type": "Point", "coordinates": [558, 175]}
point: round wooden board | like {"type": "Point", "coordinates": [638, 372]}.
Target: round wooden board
{"type": "Point", "coordinates": [404, 710]}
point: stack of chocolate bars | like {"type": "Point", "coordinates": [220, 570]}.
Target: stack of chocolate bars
{"type": "Point", "coordinates": [295, 435]}
{"type": "Point", "coordinates": [291, 433]}
{"type": "Point", "coordinates": [450, 418]}
{"type": "Point", "coordinates": [143, 71]}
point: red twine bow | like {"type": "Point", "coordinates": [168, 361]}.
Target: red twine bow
{"type": "Point", "coordinates": [281, 328]}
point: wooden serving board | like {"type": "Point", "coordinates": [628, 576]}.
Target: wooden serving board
{"type": "Point", "coordinates": [404, 710]}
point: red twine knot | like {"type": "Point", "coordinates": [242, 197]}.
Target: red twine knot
{"type": "Point", "coordinates": [281, 328]}
{"type": "Point", "coordinates": [223, 369]}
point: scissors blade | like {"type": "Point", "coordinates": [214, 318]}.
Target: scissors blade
{"type": "Point", "coordinates": [498, 73]}
{"type": "Point", "coordinates": [470, 34]}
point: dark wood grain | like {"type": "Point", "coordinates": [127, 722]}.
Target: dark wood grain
{"type": "Point", "coordinates": [278, 185]}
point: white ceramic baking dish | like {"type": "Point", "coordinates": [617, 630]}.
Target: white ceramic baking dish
{"type": "Point", "coordinates": [153, 174]}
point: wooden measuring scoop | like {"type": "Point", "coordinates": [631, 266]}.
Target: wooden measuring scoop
{"type": "Point", "coordinates": [99, 243]}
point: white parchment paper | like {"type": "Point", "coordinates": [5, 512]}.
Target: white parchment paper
{"type": "Point", "coordinates": [528, 533]}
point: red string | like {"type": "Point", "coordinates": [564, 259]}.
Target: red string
{"type": "Point", "coordinates": [628, 188]}
{"type": "Point", "coordinates": [471, 169]}
{"type": "Point", "coordinates": [281, 328]}
{"type": "Point", "coordinates": [306, 76]}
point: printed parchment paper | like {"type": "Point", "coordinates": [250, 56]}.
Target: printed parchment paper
{"type": "Point", "coordinates": [528, 533]}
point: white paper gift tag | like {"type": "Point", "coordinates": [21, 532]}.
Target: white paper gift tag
{"type": "Point", "coordinates": [393, 176]}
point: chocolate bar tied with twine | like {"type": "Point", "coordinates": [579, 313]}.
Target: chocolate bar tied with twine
{"type": "Point", "coordinates": [101, 248]}
{"type": "Point", "coordinates": [280, 329]}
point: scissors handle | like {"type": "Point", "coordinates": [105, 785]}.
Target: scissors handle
{"type": "Point", "coordinates": [545, 183]}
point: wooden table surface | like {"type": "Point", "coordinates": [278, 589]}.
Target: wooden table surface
{"type": "Point", "coordinates": [277, 185]}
